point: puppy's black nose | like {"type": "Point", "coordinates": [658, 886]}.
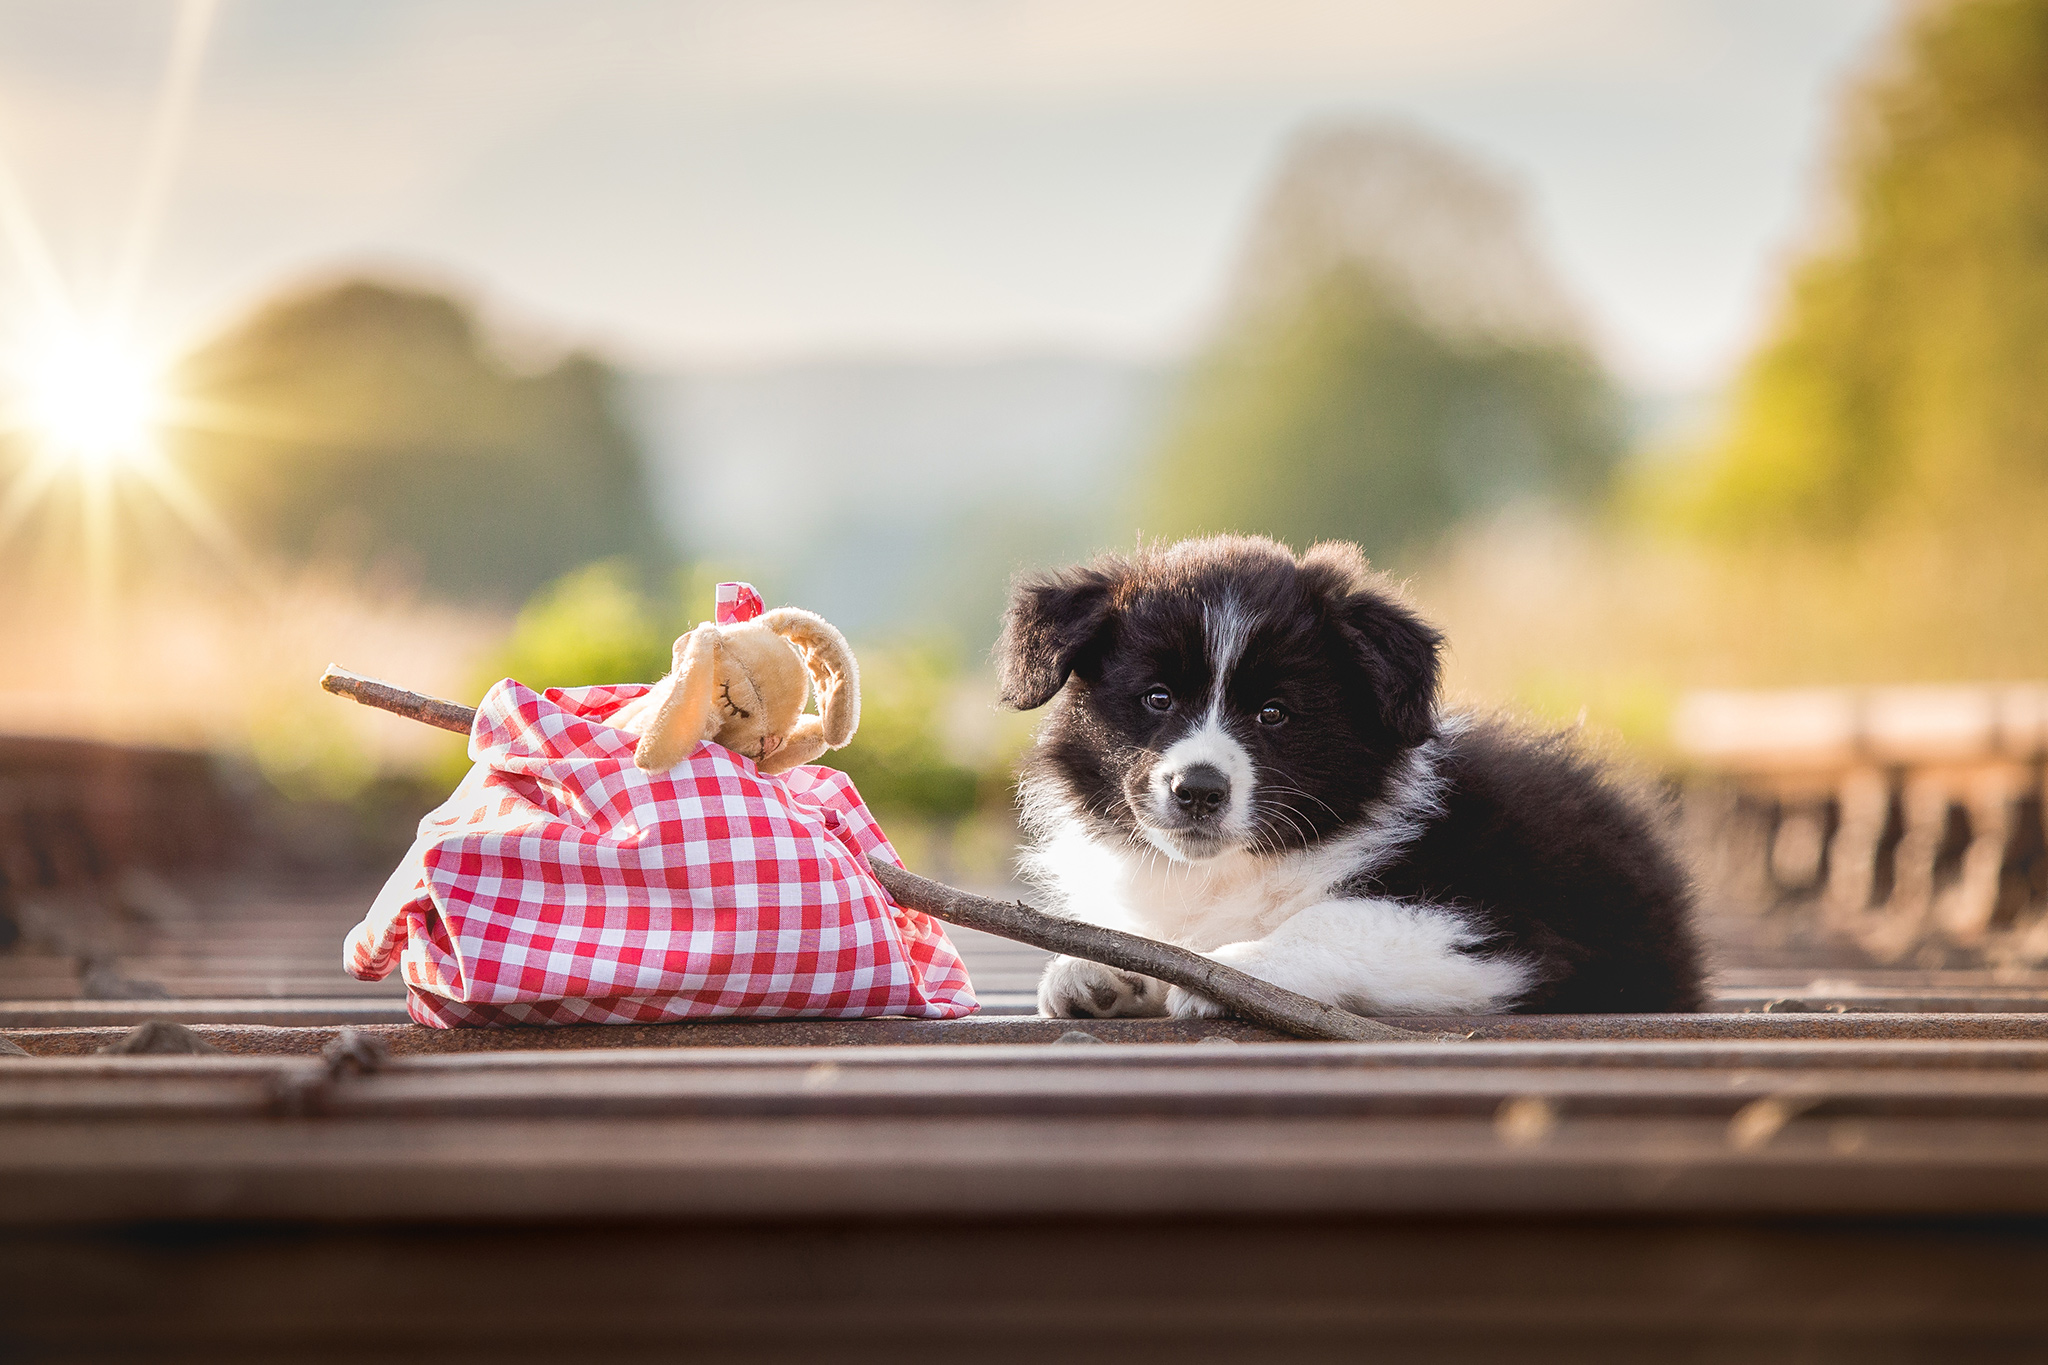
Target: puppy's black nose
{"type": "Point", "coordinates": [1201, 789]}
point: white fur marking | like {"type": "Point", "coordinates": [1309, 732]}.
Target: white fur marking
{"type": "Point", "coordinates": [1229, 898]}
{"type": "Point", "coordinates": [1374, 956]}
{"type": "Point", "coordinates": [1215, 745]}
{"type": "Point", "coordinates": [1225, 631]}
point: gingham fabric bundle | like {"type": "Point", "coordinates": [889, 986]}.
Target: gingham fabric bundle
{"type": "Point", "coordinates": [562, 885]}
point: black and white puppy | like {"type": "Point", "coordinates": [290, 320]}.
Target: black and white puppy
{"type": "Point", "coordinates": [1245, 757]}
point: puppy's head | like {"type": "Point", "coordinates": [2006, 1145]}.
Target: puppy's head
{"type": "Point", "coordinates": [1218, 694]}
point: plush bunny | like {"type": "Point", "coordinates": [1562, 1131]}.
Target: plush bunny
{"type": "Point", "coordinates": [741, 682]}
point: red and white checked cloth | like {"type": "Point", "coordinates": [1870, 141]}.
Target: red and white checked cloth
{"type": "Point", "coordinates": [562, 885]}
{"type": "Point", "coordinates": [734, 603]}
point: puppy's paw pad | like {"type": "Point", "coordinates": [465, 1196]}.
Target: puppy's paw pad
{"type": "Point", "coordinates": [1075, 989]}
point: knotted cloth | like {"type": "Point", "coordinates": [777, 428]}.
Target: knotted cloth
{"type": "Point", "coordinates": [734, 603]}
{"type": "Point", "coordinates": [562, 885]}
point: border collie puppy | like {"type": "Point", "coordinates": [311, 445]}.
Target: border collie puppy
{"type": "Point", "coordinates": [1245, 757]}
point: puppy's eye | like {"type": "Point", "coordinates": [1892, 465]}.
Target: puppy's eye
{"type": "Point", "coordinates": [1159, 699]}
{"type": "Point", "coordinates": [1272, 713]}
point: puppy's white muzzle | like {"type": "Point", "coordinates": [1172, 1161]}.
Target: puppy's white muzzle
{"type": "Point", "coordinates": [1198, 797]}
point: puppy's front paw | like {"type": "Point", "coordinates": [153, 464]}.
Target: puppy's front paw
{"type": "Point", "coordinates": [1073, 988]}
{"type": "Point", "coordinates": [1182, 1003]}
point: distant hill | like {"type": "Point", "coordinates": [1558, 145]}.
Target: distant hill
{"type": "Point", "coordinates": [379, 425]}
{"type": "Point", "coordinates": [1446, 237]}
{"type": "Point", "coordinates": [1393, 357]}
{"type": "Point", "coordinates": [898, 495]}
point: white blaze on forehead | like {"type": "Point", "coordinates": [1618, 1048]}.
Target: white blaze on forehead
{"type": "Point", "coordinates": [1225, 630]}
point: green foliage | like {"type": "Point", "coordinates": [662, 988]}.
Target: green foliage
{"type": "Point", "coordinates": [376, 425]}
{"type": "Point", "coordinates": [1874, 511]}
{"type": "Point", "coordinates": [592, 625]}
{"type": "Point", "coordinates": [597, 625]}
{"type": "Point", "coordinates": [1905, 374]}
{"type": "Point", "coordinates": [306, 751]}
{"type": "Point", "coordinates": [899, 758]}
{"type": "Point", "coordinates": [1346, 416]}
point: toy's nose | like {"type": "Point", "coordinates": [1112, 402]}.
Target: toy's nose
{"type": "Point", "coordinates": [1200, 790]}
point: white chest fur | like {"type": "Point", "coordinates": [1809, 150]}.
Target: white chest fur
{"type": "Point", "coordinates": [1234, 896]}
{"type": "Point", "coordinates": [1202, 905]}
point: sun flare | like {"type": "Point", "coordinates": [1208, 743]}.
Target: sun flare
{"type": "Point", "coordinates": [90, 398]}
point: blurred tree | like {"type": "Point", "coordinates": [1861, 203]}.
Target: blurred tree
{"type": "Point", "coordinates": [1348, 417]}
{"type": "Point", "coordinates": [1395, 359]}
{"type": "Point", "coordinates": [376, 424]}
{"type": "Point", "coordinates": [1903, 378]}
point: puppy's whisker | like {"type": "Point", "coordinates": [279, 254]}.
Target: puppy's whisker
{"type": "Point", "coordinates": [1283, 788]}
{"type": "Point", "coordinates": [1286, 812]}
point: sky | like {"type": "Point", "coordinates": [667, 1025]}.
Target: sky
{"type": "Point", "coordinates": [737, 183]}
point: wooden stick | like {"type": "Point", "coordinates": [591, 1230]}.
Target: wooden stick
{"type": "Point", "coordinates": [1244, 995]}
{"type": "Point", "coordinates": [1247, 997]}
{"type": "Point", "coordinates": [445, 715]}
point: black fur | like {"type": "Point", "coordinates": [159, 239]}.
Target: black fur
{"type": "Point", "coordinates": [1559, 866]}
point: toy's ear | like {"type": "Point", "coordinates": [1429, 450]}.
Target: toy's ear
{"type": "Point", "coordinates": [832, 666]}
{"type": "Point", "coordinates": [1399, 650]}
{"type": "Point", "coordinates": [683, 713]}
{"type": "Point", "coordinates": [1055, 625]}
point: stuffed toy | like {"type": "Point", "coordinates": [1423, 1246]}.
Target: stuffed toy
{"type": "Point", "coordinates": [741, 680]}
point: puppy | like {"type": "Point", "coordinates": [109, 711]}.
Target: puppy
{"type": "Point", "coordinates": [1245, 757]}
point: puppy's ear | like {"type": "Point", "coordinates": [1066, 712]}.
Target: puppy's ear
{"type": "Point", "coordinates": [1398, 649]}
{"type": "Point", "coordinates": [1055, 624]}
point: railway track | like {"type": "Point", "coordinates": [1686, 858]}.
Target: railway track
{"type": "Point", "coordinates": [1840, 1163]}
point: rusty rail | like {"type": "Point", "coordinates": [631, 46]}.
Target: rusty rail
{"type": "Point", "coordinates": [1755, 1128]}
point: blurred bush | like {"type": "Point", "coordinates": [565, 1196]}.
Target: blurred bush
{"type": "Point", "coordinates": [592, 625]}
{"type": "Point", "coordinates": [599, 624]}
{"type": "Point", "coordinates": [900, 759]}
{"type": "Point", "coordinates": [369, 424]}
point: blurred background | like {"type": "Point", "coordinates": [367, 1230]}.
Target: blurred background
{"type": "Point", "coordinates": [1667, 350]}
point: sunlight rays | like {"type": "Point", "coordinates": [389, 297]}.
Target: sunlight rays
{"type": "Point", "coordinates": [83, 401]}
{"type": "Point", "coordinates": [31, 254]}
{"type": "Point", "coordinates": [167, 128]}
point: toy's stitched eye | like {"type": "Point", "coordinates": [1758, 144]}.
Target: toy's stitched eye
{"type": "Point", "coordinates": [1272, 713]}
{"type": "Point", "coordinates": [1159, 699]}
